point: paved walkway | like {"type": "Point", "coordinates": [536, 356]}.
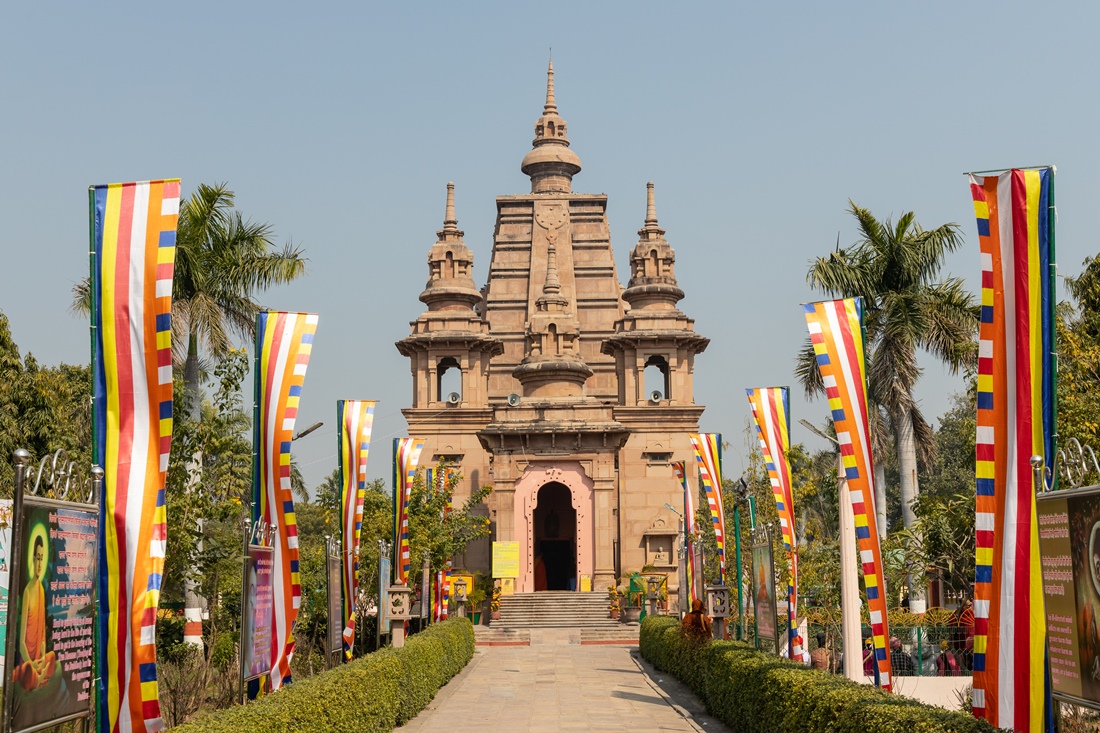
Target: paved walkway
{"type": "Point", "coordinates": [541, 689]}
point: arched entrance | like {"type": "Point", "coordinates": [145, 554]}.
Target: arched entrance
{"type": "Point", "coordinates": [555, 531]}
{"type": "Point", "coordinates": [568, 491]}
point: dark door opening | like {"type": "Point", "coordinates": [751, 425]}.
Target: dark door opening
{"type": "Point", "coordinates": [555, 538]}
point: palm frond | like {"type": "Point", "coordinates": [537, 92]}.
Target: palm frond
{"type": "Point", "coordinates": [82, 298]}
{"type": "Point", "coordinates": [806, 371]}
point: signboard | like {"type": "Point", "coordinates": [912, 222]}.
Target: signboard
{"type": "Point", "coordinates": [1069, 545]}
{"type": "Point", "coordinates": [50, 671]}
{"type": "Point", "coordinates": [383, 596]}
{"type": "Point", "coordinates": [335, 604]}
{"type": "Point", "coordinates": [5, 563]}
{"type": "Point", "coordinates": [763, 593]}
{"type": "Point", "coordinates": [505, 560]}
{"type": "Point", "coordinates": [258, 604]}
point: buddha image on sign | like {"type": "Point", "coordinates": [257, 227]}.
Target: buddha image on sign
{"type": "Point", "coordinates": [1094, 557]}
{"type": "Point", "coordinates": [38, 665]}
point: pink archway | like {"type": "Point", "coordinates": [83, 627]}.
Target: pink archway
{"type": "Point", "coordinates": [572, 476]}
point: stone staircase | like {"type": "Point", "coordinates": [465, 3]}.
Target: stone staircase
{"type": "Point", "coordinates": [555, 609]}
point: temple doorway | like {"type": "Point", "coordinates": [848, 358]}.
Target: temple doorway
{"type": "Point", "coordinates": [555, 539]}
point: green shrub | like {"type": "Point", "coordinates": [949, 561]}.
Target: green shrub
{"type": "Point", "coordinates": [752, 691]}
{"type": "Point", "coordinates": [376, 692]}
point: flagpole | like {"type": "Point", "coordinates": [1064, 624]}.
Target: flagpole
{"type": "Point", "coordinates": [101, 636]}
{"type": "Point", "coordinates": [1013, 168]}
{"type": "Point", "coordinates": [1052, 212]}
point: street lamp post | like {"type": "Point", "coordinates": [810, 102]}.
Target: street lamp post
{"type": "Point", "coordinates": [683, 593]}
{"type": "Point", "coordinates": [849, 582]}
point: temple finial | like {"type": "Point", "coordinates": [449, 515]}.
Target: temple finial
{"type": "Point", "coordinates": [553, 285]}
{"type": "Point", "coordinates": [450, 223]}
{"type": "Point", "coordinates": [551, 106]}
{"type": "Point", "coordinates": [650, 206]}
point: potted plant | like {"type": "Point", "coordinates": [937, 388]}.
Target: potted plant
{"type": "Point", "coordinates": [476, 597]}
{"type": "Point", "coordinates": [635, 597]}
{"type": "Point", "coordinates": [494, 603]}
{"type": "Point", "coordinates": [613, 601]}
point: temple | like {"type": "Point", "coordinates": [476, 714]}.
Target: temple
{"type": "Point", "coordinates": [568, 394]}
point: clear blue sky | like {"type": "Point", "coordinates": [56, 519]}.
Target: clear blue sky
{"type": "Point", "coordinates": [340, 124]}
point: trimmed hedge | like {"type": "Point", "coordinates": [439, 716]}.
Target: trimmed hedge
{"type": "Point", "coordinates": [377, 692]}
{"type": "Point", "coordinates": [752, 691]}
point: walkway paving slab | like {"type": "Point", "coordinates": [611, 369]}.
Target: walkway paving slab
{"type": "Point", "coordinates": [561, 687]}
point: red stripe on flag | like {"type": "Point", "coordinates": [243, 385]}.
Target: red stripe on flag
{"type": "Point", "coordinates": [1022, 551]}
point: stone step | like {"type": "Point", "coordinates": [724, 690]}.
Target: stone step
{"type": "Point", "coordinates": [555, 610]}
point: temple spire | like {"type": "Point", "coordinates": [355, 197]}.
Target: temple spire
{"type": "Point", "coordinates": [550, 163]}
{"type": "Point", "coordinates": [651, 231]}
{"type": "Point", "coordinates": [652, 283]}
{"type": "Point", "coordinates": [450, 284]}
{"type": "Point", "coordinates": [551, 107]}
{"type": "Point", "coordinates": [449, 220]}
{"type": "Point", "coordinates": [450, 231]}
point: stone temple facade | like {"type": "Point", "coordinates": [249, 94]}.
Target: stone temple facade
{"type": "Point", "coordinates": [568, 394]}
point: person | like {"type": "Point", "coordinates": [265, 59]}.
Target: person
{"type": "Point", "coordinates": [946, 664]}
{"type": "Point", "coordinates": [869, 666]}
{"type": "Point", "coordinates": [540, 573]}
{"type": "Point", "coordinates": [803, 655]}
{"type": "Point", "coordinates": [696, 625]}
{"type": "Point", "coordinates": [901, 663]}
{"type": "Point", "coordinates": [820, 658]}
{"type": "Point", "coordinates": [38, 665]}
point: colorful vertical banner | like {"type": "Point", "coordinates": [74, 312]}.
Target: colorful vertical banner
{"type": "Point", "coordinates": [132, 263]}
{"type": "Point", "coordinates": [406, 455]}
{"type": "Point", "coordinates": [284, 342]}
{"type": "Point", "coordinates": [680, 468]}
{"type": "Point", "coordinates": [771, 410]}
{"type": "Point", "coordinates": [355, 418]}
{"type": "Point", "coordinates": [437, 479]}
{"type": "Point", "coordinates": [836, 330]}
{"type": "Point", "coordinates": [1016, 387]}
{"type": "Point", "coordinates": [708, 455]}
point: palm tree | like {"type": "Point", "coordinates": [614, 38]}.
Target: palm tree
{"type": "Point", "coordinates": [894, 269]}
{"type": "Point", "coordinates": [222, 261]}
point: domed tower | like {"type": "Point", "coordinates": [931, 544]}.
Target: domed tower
{"type": "Point", "coordinates": [654, 344]}
{"type": "Point", "coordinates": [550, 163]}
{"type": "Point", "coordinates": [450, 345]}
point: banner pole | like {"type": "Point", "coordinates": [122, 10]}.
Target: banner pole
{"type": "Point", "coordinates": [1052, 273]}
{"type": "Point", "coordinates": [101, 688]}
{"type": "Point", "coordinates": [252, 519]}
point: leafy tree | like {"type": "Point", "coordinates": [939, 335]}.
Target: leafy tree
{"type": "Point", "coordinates": [443, 534]}
{"type": "Point", "coordinates": [42, 409]}
{"type": "Point", "coordinates": [1078, 326]}
{"type": "Point", "coordinates": [895, 269]}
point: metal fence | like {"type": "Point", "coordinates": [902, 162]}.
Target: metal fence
{"type": "Point", "coordinates": [937, 643]}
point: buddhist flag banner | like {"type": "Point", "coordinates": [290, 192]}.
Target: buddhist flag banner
{"type": "Point", "coordinates": [708, 454]}
{"type": "Point", "coordinates": [771, 410]}
{"type": "Point", "coordinates": [406, 455]}
{"type": "Point", "coordinates": [284, 342]}
{"type": "Point", "coordinates": [1016, 381]}
{"type": "Point", "coordinates": [836, 330]}
{"type": "Point", "coordinates": [355, 418]}
{"type": "Point", "coordinates": [133, 256]}
{"type": "Point", "coordinates": [680, 469]}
